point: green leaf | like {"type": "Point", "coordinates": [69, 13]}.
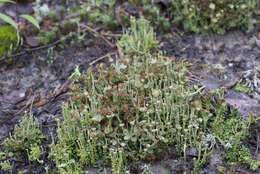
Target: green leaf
{"type": "Point", "coordinates": [7, 1]}
{"type": "Point", "coordinates": [8, 20]}
{"type": "Point", "coordinates": [31, 20]}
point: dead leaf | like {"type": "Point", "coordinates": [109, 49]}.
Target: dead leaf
{"type": "Point", "coordinates": [32, 41]}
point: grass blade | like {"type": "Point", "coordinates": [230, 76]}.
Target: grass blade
{"type": "Point", "coordinates": [7, 1]}
{"type": "Point", "coordinates": [8, 20]}
{"type": "Point", "coordinates": [31, 20]}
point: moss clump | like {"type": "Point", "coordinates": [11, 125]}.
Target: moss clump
{"type": "Point", "coordinates": [25, 137]}
{"type": "Point", "coordinates": [46, 37]}
{"type": "Point", "coordinates": [8, 40]}
{"type": "Point", "coordinates": [197, 16]}
{"type": "Point", "coordinates": [242, 88]}
{"type": "Point", "coordinates": [215, 15]}
{"type": "Point", "coordinates": [25, 140]}
{"type": "Point", "coordinates": [136, 108]}
{"type": "Point", "coordinates": [140, 40]}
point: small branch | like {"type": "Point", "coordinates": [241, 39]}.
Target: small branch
{"type": "Point", "coordinates": [87, 28]}
{"type": "Point", "coordinates": [112, 35]}
{"type": "Point", "coordinates": [105, 56]}
{"type": "Point", "coordinates": [16, 12]}
{"type": "Point", "coordinates": [14, 55]}
{"type": "Point", "coordinates": [213, 41]}
{"type": "Point", "coordinates": [32, 49]}
{"type": "Point", "coordinates": [121, 55]}
{"type": "Point", "coordinates": [74, 15]}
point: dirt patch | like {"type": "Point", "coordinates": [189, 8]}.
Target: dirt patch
{"type": "Point", "coordinates": [221, 61]}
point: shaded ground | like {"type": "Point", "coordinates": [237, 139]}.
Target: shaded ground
{"type": "Point", "coordinates": [40, 81]}
{"type": "Point", "coordinates": [222, 61]}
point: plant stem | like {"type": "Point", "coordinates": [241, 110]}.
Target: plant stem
{"type": "Point", "coordinates": [16, 12]}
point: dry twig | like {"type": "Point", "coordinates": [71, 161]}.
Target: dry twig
{"type": "Point", "coordinates": [87, 28]}
{"type": "Point", "coordinates": [121, 55]}
{"type": "Point", "coordinates": [32, 49]}
{"type": "Point", "coordinates": [105, 56]}
{"type": "Point", "coordinates": [112, 35]}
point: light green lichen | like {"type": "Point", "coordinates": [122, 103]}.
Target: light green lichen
{"type": "Point", "coordinates": [242, 88]}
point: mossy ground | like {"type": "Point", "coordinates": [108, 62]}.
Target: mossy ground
{"type": "Point", "coordinates": [133, 111]}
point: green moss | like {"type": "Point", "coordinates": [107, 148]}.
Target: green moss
{"type": "Point", "coordinates": [25, 140]}
{"type": "Point", "coordinates": [8, 40]}
{"type": "Point", "coordinates": [230, 133]}
{"type": "Point", "coordinates": [46, 37]}
{"type": "Point", "coordinates": [214, 15]}
{"type": "Point", "coordinates": [197, 16]}
{"type": "Point", "coordinates": [140, 105]}
{"type": "Point", "coordinates": [141, 39]}
{"type": "Point", "coordinates": [241, 154]}
{"type": "Point", "coordinates": [242, 88]}
{"type": "Point", "coordinates": [25, 137]}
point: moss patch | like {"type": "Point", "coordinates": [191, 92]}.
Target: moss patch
{"type": "Point", "coordinates": [138, 107]}
{"type": "Point", "coordinates": [8, 40]}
